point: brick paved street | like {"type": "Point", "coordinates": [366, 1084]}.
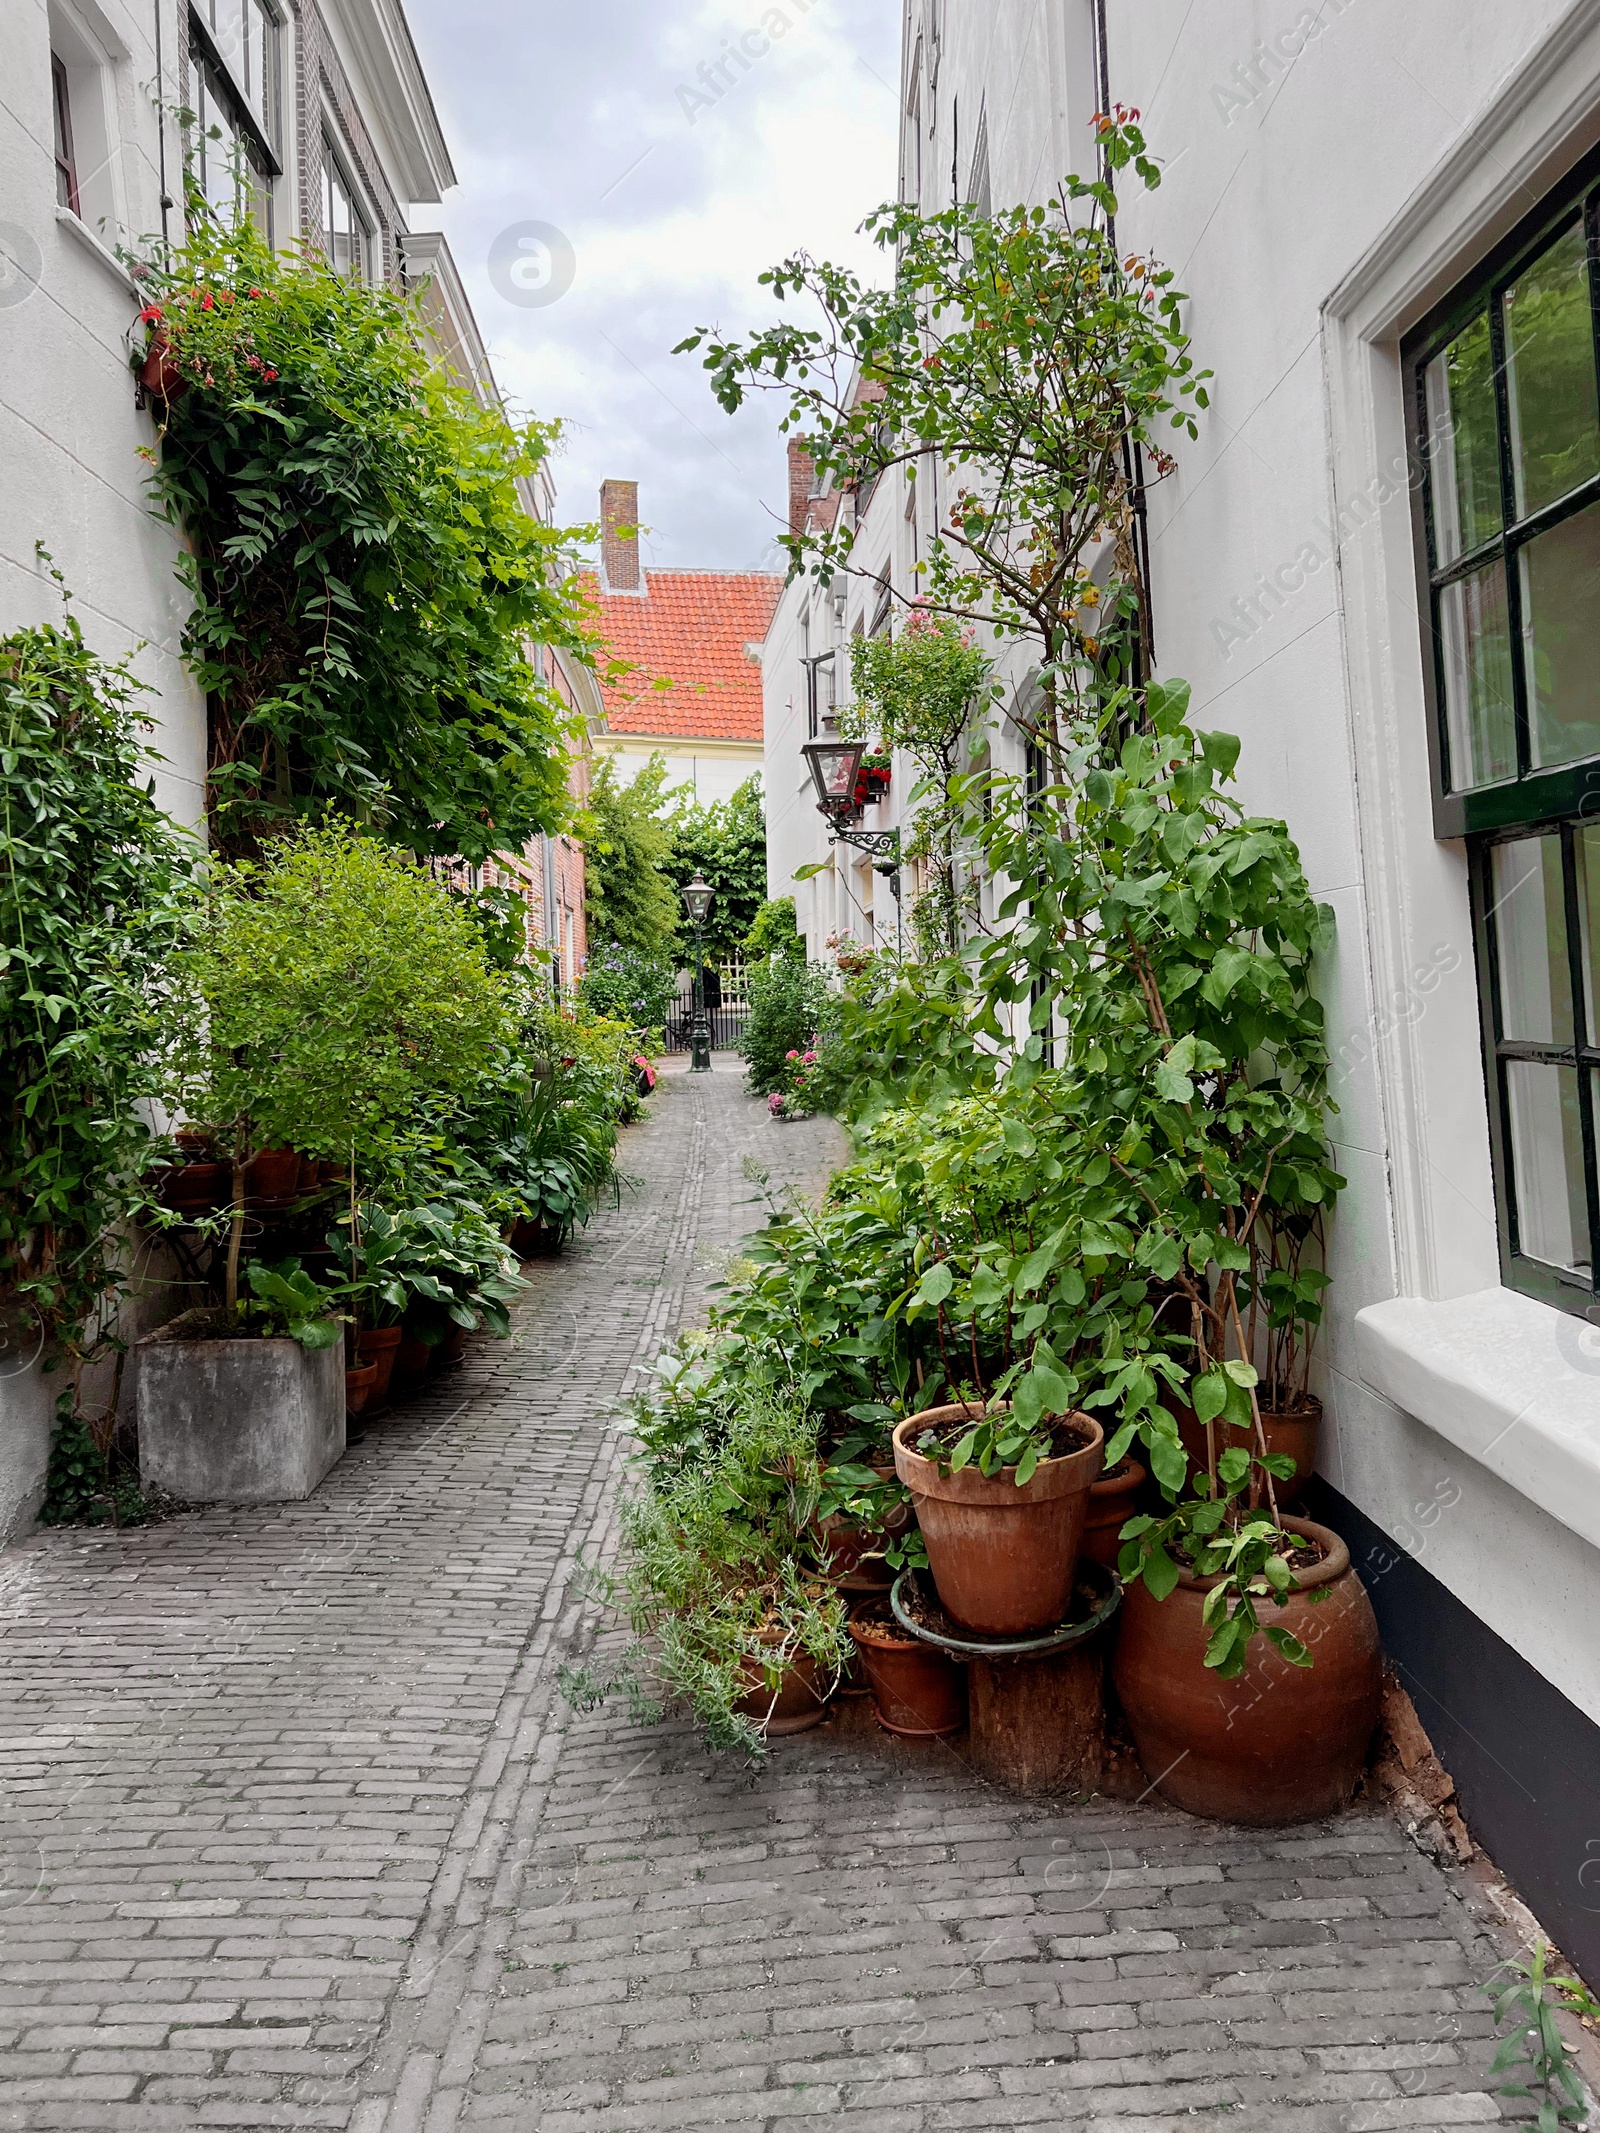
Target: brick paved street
{"type": "Point", "coordinates": [296, 1833]}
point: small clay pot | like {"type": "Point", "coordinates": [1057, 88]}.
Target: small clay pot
{"type": "Point", "coordinates": [1002, 1558]}
{"type": "Point", "coordinates": [1113, 1499]}
{"type": "Point", "coordinates": [274, 1174]}
{"type": "Point", "coordinates": [307, 1180]}
{"type": "Point", "coordinates": [412, 1357]}
{"type": "Point", "coordinates": [1290, 1432]}
{"type": "Point", "coordinates": [918, 1691]}
{"type": "Point", "coordinates": [160, 375]}
{"type": "Point", "coordinates": [199, 1143]}
{"type": "Point", "coordinates": [377, 1345]}
{"type": "Point", "coordinates": [534, 1240]}
{"type": "Point", "coordinates": [800, 1703]}
{"type": "Point", "coordinates": [359, 1386]}
{"type": "Point", "coordinates": [1277, 1743]}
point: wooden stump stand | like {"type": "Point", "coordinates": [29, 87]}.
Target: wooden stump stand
{"type": "Point", "coordinates": [1038, 1724]}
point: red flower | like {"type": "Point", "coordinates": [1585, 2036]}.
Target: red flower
{"type": "Point", "coordinates": [206, 304]}
{"type": "Point", "coordinates": [150, 312]}
{"type": "Point", "coordinates": [269, 373]}
{"type": "Point", "coordinates": [255, 292]}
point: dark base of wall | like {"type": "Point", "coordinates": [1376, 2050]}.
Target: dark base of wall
{"type": "Point", "coordinates": [1526, 1762]}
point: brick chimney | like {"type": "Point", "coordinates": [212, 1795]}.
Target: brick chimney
{"type": "Point", "coordinates": [802, 480]}
{"type": "Point", "coordinates": [619, 535]}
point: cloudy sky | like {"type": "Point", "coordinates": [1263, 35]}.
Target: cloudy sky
{"type": "Point", "coordinates": [674, 190]}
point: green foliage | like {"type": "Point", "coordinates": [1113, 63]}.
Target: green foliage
{"type": "Point", "coordinates": [787, 1002]}
{"type": "Point", "coordinates": [92, 877]}
{"type": "Point", "coordinates": [919, 691]}
{"type": "Point", "coordinates": [726, 842]}
{"type": "Point", "coordinates": [364, 572]}
{"type": "Point", "coordinates": [433, 1266]}
{"type": "Point", "coordinates": [631, 987]}
{"type": "Point", "coordinates": [1020, 344]}
{"type": "Point", "coordinates": [774, 932]}
{"type": "Point", "coordinates": [286, 1300]}
{"type": "Point", "coordinates": [331, 993]}
{"type": "Point", "coordinates": [535, 1138]}
{"type": "Point", "coordinates": [629, 898]}
{"type": "Point", "coordinates": [1535, 2050]}
{"type": "Point", "coordinates": [716, 1578]}
{"type": "Point", "coordinates": [86, 1480]}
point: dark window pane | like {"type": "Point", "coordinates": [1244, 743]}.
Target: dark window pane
{"type": "Point", "coordinates": [1475, 631]}
{"type": "Point", "coordinates": [1561, 638]}
{"type": "Point", "coordinates": [1530, 924]}
{"type": "Point", "coordinates": [1463, 447]}
{"type": "Point", "coordinates": [1550, 383]}
{"type": "Point", "coordinates": [1547, 1164]}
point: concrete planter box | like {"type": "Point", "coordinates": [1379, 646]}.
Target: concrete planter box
{"type": "Point", "coordinates": [237, 1421]}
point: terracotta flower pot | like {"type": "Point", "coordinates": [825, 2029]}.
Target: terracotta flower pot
{"type": "Point", "coordinates": [1291, 1432]}
{"type": "Point", "coordinates": [1002, 1558]}
{"type": "Point", "coordinates": [378, 1345]}
{"type": "Point", "coordinates": [307, 1180]}
{"type": "Point", "coordinates": [1113, 1499]}
{"type": "Point", "coordinates": [800, 1702]}
{"type": "Point", "coordinates": [918, 1691]}
{"type": "Point", "coordinates": [1277, 1743]}
{"type": "Point", "coordinates": [359, 1386]}
{"type": "Point", "coordinates": [196, 1188]}
{"type": "Point", "coordinates": [160, 375]}
{"type": "Point", "coordinates": [275, 1173]}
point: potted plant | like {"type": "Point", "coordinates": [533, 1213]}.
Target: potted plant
{"type": "Point", "coordinates": [247, 1405]}
{"type": "Point", "coordinates": [719, 1584]}
{"type": "Point", "coordinates": [416, 1273]}
{"type": "Point", "coordinates": [1001, 1501]}
{"type": "Point", "coordinates": [918, 1691]}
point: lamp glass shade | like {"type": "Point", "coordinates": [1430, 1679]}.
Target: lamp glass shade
{"type": "Point", "coordinates": [835, 766]}
{"type": "Point", "coordinates": [697, 896]}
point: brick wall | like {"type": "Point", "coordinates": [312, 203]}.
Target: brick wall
{"type": "Point", "coordinates": [323, 100]}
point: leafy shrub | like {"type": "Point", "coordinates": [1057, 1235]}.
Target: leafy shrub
{"type": "Point", "coordinates": [717, 1578]}
{"type": "Point", "coordinates": [332, 992]}
{"type": "Point", "coordinates": [725, 841]}
{"type": "Point", "coordinates": [626, 985]}
{"type": "Point", "coordinates": [93, 879]}
{"type": "Point", "coordinates": [774, 932]}
{"type": "Point", "coordinates": [629, 899]}
{"type": "Point", "coordinates": [364, 574]}
{"type": "Point", "coordinates": [787, 1001]}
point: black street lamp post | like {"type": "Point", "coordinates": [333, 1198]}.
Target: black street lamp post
{"type": "Point", "coordinates": [697, 897]}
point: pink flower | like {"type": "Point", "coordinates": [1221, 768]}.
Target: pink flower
{"type": "Point", "coordinates": [809, 1058]}
{"type": "Point", "coordinates": [791, 1055]}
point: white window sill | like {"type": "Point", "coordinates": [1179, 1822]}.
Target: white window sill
{"type": "Point", "coordinates": [1513, 1383]}
{"type": "Point", "coordinates": [96, 248]}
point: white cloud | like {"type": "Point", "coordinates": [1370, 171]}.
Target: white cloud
{"type": "Point", "coordinates": [547, 108]}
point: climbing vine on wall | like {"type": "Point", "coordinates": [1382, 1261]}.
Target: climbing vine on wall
{"type": "Point", "coordinates": [367, 580]}
{"type": "Point", "coordinates": [91, 905]}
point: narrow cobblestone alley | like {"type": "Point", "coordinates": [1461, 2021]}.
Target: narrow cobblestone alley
{"type": "Point", "coordinates": [296, 1832]}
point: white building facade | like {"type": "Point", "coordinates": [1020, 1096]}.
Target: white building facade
{"type": "Point", "coordinates": [326, 102]}
{"type": "Point", "coordinates": [1378, 566]}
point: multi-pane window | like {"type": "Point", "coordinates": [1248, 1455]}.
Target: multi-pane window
{"type": "Point", "coordinates": [347, 240]}
{"type": "Point", "coordinates": [820, 697]}
{"type": "Point", "coordinates": [234, 50]}
{"type": "Point", "coordinates": [1506, 399]}
{"type": "Point", "coordinates": [244, 35]}
{"type": "Point", "coordinates": [66, 166]}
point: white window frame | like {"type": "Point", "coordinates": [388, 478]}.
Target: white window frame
{"type": "Point", "coordinates": [90, 55]}
{"type": "Point", "coordinates": [1508, 1379]}
{"type": "Point", "coordinates": [334, 160]}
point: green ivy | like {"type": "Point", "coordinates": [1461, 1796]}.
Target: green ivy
{"type": "Point", "coordinates": [92, 888]}
{"type": "Point", "coordinates": [366, 577]}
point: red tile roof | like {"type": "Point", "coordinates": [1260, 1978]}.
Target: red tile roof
{"type": "Point", "coordinates": [689, 627]}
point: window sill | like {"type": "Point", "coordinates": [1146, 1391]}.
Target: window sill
{"type": "Point", "coordinates": [96, 248]}
{"type": "Point", "coordinates": [1513, 1383]}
